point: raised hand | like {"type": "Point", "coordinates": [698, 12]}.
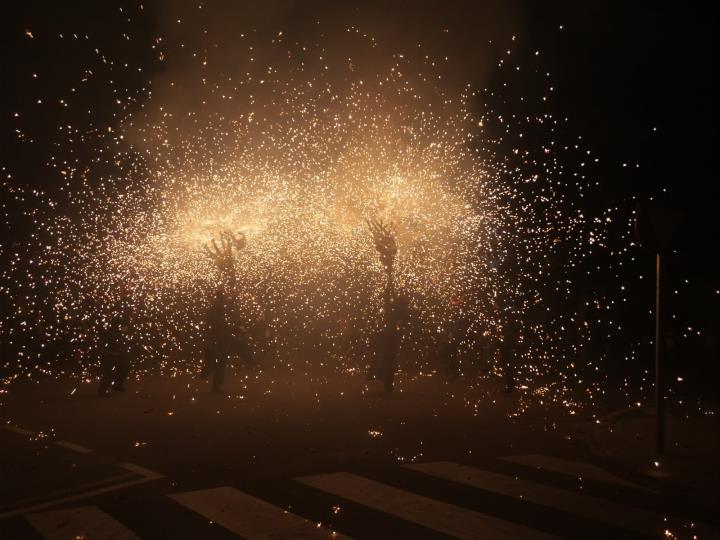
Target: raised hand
{"type": "Point", "coordinates": [222, 254]}
{"type": "Point", "coordinates": [384, 238]}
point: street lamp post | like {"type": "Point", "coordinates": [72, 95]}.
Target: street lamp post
{"type": "Point", "coordinates": [659, 386]}
{"type": "Point", "coordinates": [654, 228]}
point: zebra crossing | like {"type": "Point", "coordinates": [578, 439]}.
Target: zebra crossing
{"type": "Point", "coordinates": [245, 515]}
{"type": "Point", "coordinates": [249, 516]}
{"type": "Point", "coordinates": [437, 515]}
{"type": "Point", "coordinates": [587, 506]}
{"type": "Point", "coordinates": [81, 522]}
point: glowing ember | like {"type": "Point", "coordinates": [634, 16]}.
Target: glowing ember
{"type": "Point", "coordinates": [482, 204]}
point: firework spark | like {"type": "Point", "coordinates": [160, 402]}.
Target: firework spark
{"type": "Point", "coordinates": [276, 189]}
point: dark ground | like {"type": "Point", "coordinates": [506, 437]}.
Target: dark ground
{"type": "Point", "coordinates": [271, 430]}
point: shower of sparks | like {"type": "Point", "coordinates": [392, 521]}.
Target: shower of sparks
{"type": "Point", "coordinates": [295, 158]}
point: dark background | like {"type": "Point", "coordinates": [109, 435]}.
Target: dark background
{"type": "Point", "coordinates": [633, 79]}
{"type": "Point", "coordinates": [620, 69]}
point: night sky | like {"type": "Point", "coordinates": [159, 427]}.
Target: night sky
{"type": "Point", "coordinates": [633, 80]}
{"type": "Point", "coordinates": [620, 67]}
{"type": "Point", "coordinates": [620, 70]}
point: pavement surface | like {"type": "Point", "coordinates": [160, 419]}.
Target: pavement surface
{"type": "Point", "coordinates": [294, 455]}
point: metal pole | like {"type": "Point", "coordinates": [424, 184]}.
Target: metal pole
{"type": "Point", "coordinates": [659, 403]}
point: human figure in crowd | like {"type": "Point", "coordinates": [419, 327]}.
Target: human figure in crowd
{"type": "Point", "coordinates": [115, 347]}
{"type": "Point", "coordinates": [396, 309]}
{"type": "Point", "coordinates": [224, 336]}
{"type": "Point", "coordinates": [218, 340]}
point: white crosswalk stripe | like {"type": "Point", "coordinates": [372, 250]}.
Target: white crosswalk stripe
{"type": "Point", "coordinates": [249, 517]}
{"type": "Point", "coordinates": [587, 506]}
{"type": "Point", "coordinates": [252, 518]}
{"type": "Point", "coordinates": [437, 515]}
{"type": "Point", "coordinates": [572, 468]}
{"type": "Point", "coordinates": [86, 522]}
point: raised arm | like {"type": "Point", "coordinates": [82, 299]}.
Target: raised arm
{"type": "Point", "coordinates": [223, 254]}
{"type": "Point", "coordinates": [383, 235]}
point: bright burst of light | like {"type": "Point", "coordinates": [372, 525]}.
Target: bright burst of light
{"type": "Point", "coordinates": [296, 156]}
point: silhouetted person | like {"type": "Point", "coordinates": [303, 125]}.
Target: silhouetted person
{"type": "Point", "coordinates": [396, 308]}
{"type": "Point", "coordinates": [218, 339]}
{"type": "Point", "coordinates": [115, 351]}
{"type": "Point", "coordinates": [396, 315]}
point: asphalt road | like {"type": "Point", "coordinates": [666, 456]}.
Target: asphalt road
{"type": "Point", "coordinates": [296, 456]}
